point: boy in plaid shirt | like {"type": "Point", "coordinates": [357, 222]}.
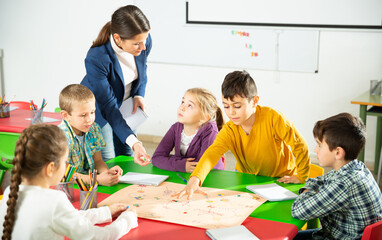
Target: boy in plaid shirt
{"type": "Point", "coordinates": [347, 199]}
{"type": "Point", "coordinates": [84, 136]}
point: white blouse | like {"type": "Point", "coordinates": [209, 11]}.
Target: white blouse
{"type": "Point", "coordinates": [130, 73]}
{"type": "Point", "coordinates": [128, 67]}
{"type": "Point", "coordinates": [47, 214]}
{"type": "Point", "coordinates": [185, 142]}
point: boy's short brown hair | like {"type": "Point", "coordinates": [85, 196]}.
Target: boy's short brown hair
{"type": "Point", "coordinates": [239, 83]}
{"type": "Point", "coordinates": [343, 130]}
{"type": "Point", "coordinates": [74, 93]}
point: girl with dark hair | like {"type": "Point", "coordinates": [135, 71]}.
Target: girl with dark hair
{"type": "Point", "coordinates": [115, 71]}
{"type": "Point", "coordinates": [31, 210]}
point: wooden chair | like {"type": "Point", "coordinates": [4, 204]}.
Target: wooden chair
{"type": "Point", "coordinates": [373, 231]}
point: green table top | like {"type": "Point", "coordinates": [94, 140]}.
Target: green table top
{"type": "Point", "coordinates": [276, 211]}
{"type": "Point", "coordinates": [367, 99]}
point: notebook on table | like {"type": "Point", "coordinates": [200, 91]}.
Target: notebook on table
{"type": "Point", "coordinates": [272, 192]}
{"type": "Point", "coordinates": [142, 178]}
{"type": "Point", "coordinates": [231, 233]}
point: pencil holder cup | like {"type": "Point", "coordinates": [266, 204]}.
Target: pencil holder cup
{"type": "Point", "coordinates": [67, 188]}
{"type": "Point", "coordinates": [375, 87]}
{"type": "Point", "coordinates": [37, 116]}
{"type": "Point", "coordinates": [88, 199]}
{"type": "Point", "coordinates": [4, 110]}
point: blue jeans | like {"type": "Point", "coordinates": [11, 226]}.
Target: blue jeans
{"type": "Point", "coordinates": [108, 151]}
{"type": "Point", "coordinates": [122, 148]}
{"type": "Point", "coordinates": [114, 146]}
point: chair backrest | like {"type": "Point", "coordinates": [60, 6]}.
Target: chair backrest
{"type": "Point", "coordinates": [3, 168]}
{"type": "Point", "coordinates": [8, 144]}
{"type": "Point", "coordinates": [373, 231]}
{"type": "Point", "coordinates": [21, 105]}
{"type": "Point", "coordinates": [223, 160]}
{"type": "Point", "coordinates": [315, 171]}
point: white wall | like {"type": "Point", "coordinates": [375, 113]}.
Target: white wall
{"type": "Point", "coordinates": [347, 61]}
{"type": "Point", "coordinates": [45, 43]}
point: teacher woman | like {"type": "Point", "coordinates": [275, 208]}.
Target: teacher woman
{"type": "Point", "coordinates": [116, 70]}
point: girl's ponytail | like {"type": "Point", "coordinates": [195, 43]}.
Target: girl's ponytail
{"type": "Point", "coordinates": [9, 219]}
{"type": "Point", "coordinates": [219, 118]}
{"type": "Point", "coordinates": [37, 146]}
{"type": "Point", "coordinates": [103, 35]}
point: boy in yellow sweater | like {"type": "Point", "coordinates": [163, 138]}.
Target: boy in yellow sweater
{"type": "Point", "coordinates": [263, 141]}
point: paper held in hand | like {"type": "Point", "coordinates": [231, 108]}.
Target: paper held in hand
{"type": "Point", "coordinates": [133, 120]}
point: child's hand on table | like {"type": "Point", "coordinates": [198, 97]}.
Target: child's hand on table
{"type": "Point", "coordinates": [190, 165]}
{"type": "Point", "coordinates": [107, 179]}
{"type": "Point", "coordinates": [130, 215]}
{"type": "Point", "coordinates": [289, 179]}
{"type": "Point", "coordinates": [117, 208]}
{"type": "Point", "coordinates": [191, 188]}
{"type": "Point", "coordinates": [116, 170]}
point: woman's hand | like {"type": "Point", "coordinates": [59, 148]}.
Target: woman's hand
{"type": "Point", "coordinates": [138, 102]}
{"type": "Point", "coordinates": [191, 188]}
{"type": "Point", "coordinates": [190, 165]}
{"type": "Point", "coordinates": [140, 155]}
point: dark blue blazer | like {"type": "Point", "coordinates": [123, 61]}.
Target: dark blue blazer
{"type": "Point", "coordinates": [105, 79]}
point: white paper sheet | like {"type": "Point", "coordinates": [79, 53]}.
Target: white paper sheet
{"type": "Point", "coordinates": [46, 119]}
{"type": "Point", "coordinates": [142, 178]}
{"type": "Point", "coordinates": [133, 120]}
{"type": "Point", "coordinates": [231, 233]}
{"type": "Point", "coordinates": [272, 192]}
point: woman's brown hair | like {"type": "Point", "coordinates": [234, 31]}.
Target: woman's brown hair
{"type": "Point", "coordinates": [127, 22]}
{"type": "Point", "coordinates": [37, 146]}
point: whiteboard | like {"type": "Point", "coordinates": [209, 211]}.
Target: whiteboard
{"type": "Point", "coordinates": [1, 74]}
{"type": "Point", "coordinates": [303, 13]}
{"type": "Point", "coordinates": [176, 42]}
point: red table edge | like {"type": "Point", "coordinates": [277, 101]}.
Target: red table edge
{"type": "Point", "coordinates": [263, 229]}
{"type": "Point", "coordinates": [19, 128]}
